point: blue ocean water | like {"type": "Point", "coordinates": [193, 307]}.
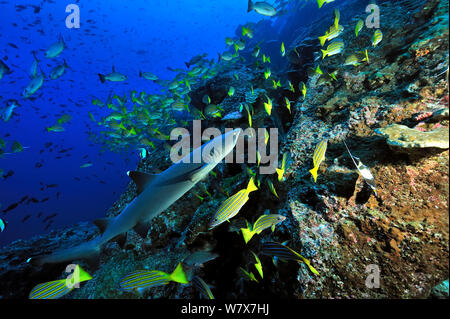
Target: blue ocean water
{"type": "Point", "coordinates": [131, 36]}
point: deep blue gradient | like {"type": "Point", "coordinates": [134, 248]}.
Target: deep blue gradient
{"type": "Point", "coordinates": [131, 35]}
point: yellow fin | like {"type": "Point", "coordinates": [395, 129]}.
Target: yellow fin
{"type": "Point", "coordinates": [251, 186]}
{"type": "Point", "coordinates": [178, 275]}
{"type": "Point", "coordinates": [314, 173]}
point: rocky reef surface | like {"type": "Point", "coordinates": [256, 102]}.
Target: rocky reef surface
{"type": "Point", "coordinates": [393, 115]}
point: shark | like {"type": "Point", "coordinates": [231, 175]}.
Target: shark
{"type": "Point", "coordinates": [155, 193]}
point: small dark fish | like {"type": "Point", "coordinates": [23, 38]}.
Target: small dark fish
{"type": "Point", "coordinates": [52, 185]}
{"type": "Point", "coordinates": [49, 217]}
{"type": "Point", "coordinates": [25, 218]}
{"type": "Point", "coordinates": [45, 199]}
{"type": "Point", "coordinates": [23, 199]}
{"type": "Point", "coordinates": [12, 45]}
{"type": "Point", "coordinates": [9, 174]}
{"type": "Point", "coordinates": [11, 207]}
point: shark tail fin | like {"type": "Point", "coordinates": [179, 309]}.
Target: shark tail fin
{"type": "Point", "coordinates": [102, 78]}
{"type": "Point", "coordinates": [314, 173]}
{"type": "Point", "coordinates": [85, 250]}
{"type": "Point", "coordinates": [179, 275]}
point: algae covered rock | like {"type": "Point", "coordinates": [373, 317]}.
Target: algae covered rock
{"type": "Point", "coordinates": [407, 138]}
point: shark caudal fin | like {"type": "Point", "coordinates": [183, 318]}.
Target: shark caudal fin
{"type": "Point", "coordinates": [87, 250]}
{"type": "Point", "coordinates": [102, 78]}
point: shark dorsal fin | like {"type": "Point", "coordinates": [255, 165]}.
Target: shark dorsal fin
{"type": "Point", "coordinates": [102, 223]}
{"type": "Point", "coordinates": [141, 179]}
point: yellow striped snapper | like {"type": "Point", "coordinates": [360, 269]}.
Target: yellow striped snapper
{"type": "Point", "coordinates": [112, 77]}
{"type": "Point", "coordinates": [320, 3]}
{"type": "Point", "coordinates": [258, 265]}
{"type": "Point", "coordinates": [268, 106]}
{"type": "Point", "coordinates": [58, 70]}
{"type": "Point", "coordinates": [356, 59]}
{"type": "Point", "coordinates": [34, 85]}
{"type": "Point", "coordinates": [55, 49]}
{"type": "Point", "coordinates": [2, 222]}
{"type": "Point", "coordinates": [272, 188]}
{"type": "Point", "coordinates": [232, 205]}
{"type": "Point", "coordinates": [249, 275]}
{"type": "Point", "coordinates": [262, 8]}
{"type": "Point", "coordinates": [7, 112]}
{"type": "Point", "coordinates": [333, 48]}
{"type": "Point", "coordinates": [280, 171]}
{"type": "Point", "coordinates": [288, 104]}
{"type": "Point", "coordinates": [302, 88]}
{"type": "Point", "coordinates": [359, 26]}
{"type": "Point", "coordinates": [262, 223]}
{"type": "Point", "coordinates": [227, 56]}
{"type": "Point", "coordinates": [140, 280]}
{"type": "Point", "coordinates": [202, 287]}
{"type": "Point", "coordinates": [4, 69]}
{"type": "Point", "coordinates": [58, 288]}
{"type": "Point", "coordinates": [34, 66]}
{"type": "Point", "coordinates": [331, 34]}
{"type": "Point", "coordinates": [377, 37]}
{"type": "Point", "coordinates": [229, 41]}
{"type": "Point", "coordinates": [148, 76]}
{"type": "Point", "coordinates": [337, 16]}
{"type": "Point", "coordinates": [318, 157]}
{"type": "Point", "coordinates": [284, 253]}
{"type": "Point", "coordinates": [247, 31]}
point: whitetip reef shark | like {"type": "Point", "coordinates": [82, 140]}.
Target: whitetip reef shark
{"type": "Point", "coordinates": [156, 192]}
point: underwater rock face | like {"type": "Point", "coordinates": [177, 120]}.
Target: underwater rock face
{"type": "Point", "coordinates": [405, 137]}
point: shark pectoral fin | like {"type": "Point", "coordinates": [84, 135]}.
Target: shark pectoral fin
{"type": "Point", "coordinates": [102, 223]}
{"type": "Point", "coordinates": [142, 229]}
{"type": "Point", "coordinates": [141, 179]}
{"type": "Point", "coordinates": [121, 239]}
